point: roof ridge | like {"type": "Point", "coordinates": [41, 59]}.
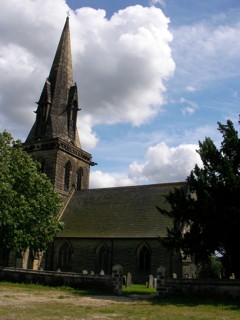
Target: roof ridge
{"type": "Point", "coordinates": [167, 184]}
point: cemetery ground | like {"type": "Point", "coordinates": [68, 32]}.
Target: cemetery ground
{"type": "Point", "coordinates": [28, 301]}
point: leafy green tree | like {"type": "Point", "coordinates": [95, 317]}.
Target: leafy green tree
{"type": "Point", "coordinates": [28, 204]}
{"type": "Point", "coordinates": [206, 219]}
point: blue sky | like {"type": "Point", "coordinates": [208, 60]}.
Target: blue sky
{"type": "Point", "coordinates": [154, 78]}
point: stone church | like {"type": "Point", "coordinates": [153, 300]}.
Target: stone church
{"type": "Point", "coordinates": [102, 227]}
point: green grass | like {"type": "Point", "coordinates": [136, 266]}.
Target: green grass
{"type": "Point", "coordinates": [25, 302]}
{"type": "Point", "coordinates": [138, 289]}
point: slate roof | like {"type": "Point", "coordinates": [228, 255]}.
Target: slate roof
{"type": "Point", "coordinates": [122, 212]}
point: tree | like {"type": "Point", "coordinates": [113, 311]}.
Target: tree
{"type": "Point", "coordinates": [28, 204]}
{"type": "Point", "coordinates": [207, 218]}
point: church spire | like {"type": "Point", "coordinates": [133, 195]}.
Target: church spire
{"type": "Point", "coordinates": [61, 72]}
{"type": "Point", "coordinates": [56, 115]}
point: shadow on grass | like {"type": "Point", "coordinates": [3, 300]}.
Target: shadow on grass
{"type": "Point", "coordinates": [150, 294]}
{"type": "Point", "coordinates": [136, 293]}
{"type": "Point", "coordinates": [140, 293]}
{"type": "Point", "coordinates": [194, 301]}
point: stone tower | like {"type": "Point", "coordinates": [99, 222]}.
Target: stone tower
{"type": "Point", "coordinates": [53, 139]}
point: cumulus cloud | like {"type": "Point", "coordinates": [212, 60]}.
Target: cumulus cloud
{"type": "Point", "coordinates": [99, 179]}
{"type": "Point", "coordinates": [166, 164]}
{"type": "Point", "coordinates": [162, 164]}
{"type": "Point", "coordinates": [86, 133]}
{"type": "Point", "coordinates": [125, 61]}
{"type": "Point", "coordinates": [120, 64]}
{"type": "Point", "coordinates": [26, 42]}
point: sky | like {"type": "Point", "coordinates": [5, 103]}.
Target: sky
{"type": "Point", "coordinates": [154, 78]}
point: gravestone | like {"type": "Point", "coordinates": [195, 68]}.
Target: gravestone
{"type": "Point", "coordinates": [35, 264]}
{"type": "Point", "coordinates": [155, 282]}
{"type": "Point", "coordinates": [161, 276]}
{"type": "Point", "coordinates": [150, 281]}
{"type": "Point", "coordinates": [128, 280]}
{"type": "Point", "coordinates": [117, 279]}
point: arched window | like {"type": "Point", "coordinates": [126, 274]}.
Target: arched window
{"type": "Point", "coordinates": [79, 179]}
{"type": "Point", "coordinates": [103, 258]}
{"type": "Point", "coordinates": [64, 257]}
{"type": "Point", "coordinates": [67, 175]}
{"type": "Point", "coordinates": [144, 257]}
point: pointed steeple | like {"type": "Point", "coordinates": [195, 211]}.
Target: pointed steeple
{"type": "Point", "coordinates": [61, 72]}
{"type": "Point", "coordinates": [53, 140]}
{"type": "Point", "coordinates": [56, 115]}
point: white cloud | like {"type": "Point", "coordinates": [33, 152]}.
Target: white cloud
{"type": "Point", "coordinates": [162, 164]}
{"type": "Point", "coordinates": [190, 89]}
{"type": "Point", "coordinates": [125, 62]}
{"type": "Point", "coordinates": [156, 2]}
{"type": "Point", "coordinates": [206, 51]}
{"type": "Point", "coordinates": [120, 65]}
{"type": "Point", "coordinates": [189, 106]}
{"type": "Point", "coordinates": [188, 110]}
{"type": "Point", "coordinates": [27, 39]}
{"type": "Point", "coordinates": [99, 179]}
{"type": "Point", "coordinates": [166, 164]}
{"type": "Point", "coordinates": [87, 135]}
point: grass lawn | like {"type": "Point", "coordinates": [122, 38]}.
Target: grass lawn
{"type": "Point", "coordinates": [25, 302]}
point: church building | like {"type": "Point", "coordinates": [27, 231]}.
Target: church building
{"type": "Point", "coordinates": [102, 227]}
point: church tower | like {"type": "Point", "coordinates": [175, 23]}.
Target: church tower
{"type": "Point", "coordinates": [53, 139]}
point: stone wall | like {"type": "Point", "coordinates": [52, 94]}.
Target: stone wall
{"type": "Point", "coordinates": [62, 158]}
{"type": "Point", "coordinates": [112, 283]}
{"type": "Point", "coordinates": [54, 154]}
{"type": "Point", "coordinates": [198, 287]}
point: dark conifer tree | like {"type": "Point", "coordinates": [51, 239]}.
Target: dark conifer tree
{"type": "Point", "coordinates": [207, 219]}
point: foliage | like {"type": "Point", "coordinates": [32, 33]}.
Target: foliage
{"type": "Point", "coordinates": [207, 218]}
{"type": "Point", "coordinates": [28, 203]}
{"type": "Point", "coordinates": [216, 267]}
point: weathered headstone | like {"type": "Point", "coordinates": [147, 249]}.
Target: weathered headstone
{"type": "Point", "coordinates": [128, 280]}
{"type": "Point", "coordinates": [35, 264]}
{"type": "Point", "coordinates": [150, 281]}
{"type": "Point", "coordinates": [155, 282]}
{"type": "Point", "coordinates": [102, 273]}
